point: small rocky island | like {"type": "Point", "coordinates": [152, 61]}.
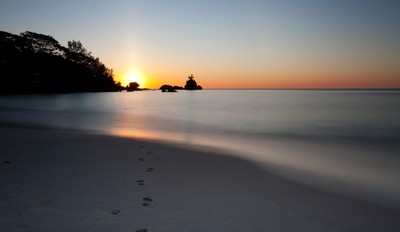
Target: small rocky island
{"type": "Point", "coordinates": [190, 85]}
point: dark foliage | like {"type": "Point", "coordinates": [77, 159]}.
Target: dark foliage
{"type": "Point", "coordinates": [36, 63]}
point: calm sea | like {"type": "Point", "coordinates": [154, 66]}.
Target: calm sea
{"type": "Point", "coordinates": [335, 137]}
{"type": "Point", "coordinates": [182, 116]}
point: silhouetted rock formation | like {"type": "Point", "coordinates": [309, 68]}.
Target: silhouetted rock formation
{"type": "Point", "coordinates": [133, 86]}
{"type": "Point", "coordinates": [36, 63]}
{"type": "Point", "coordinates": [191, 84]}
{"type": "Point", "coordinates": [178, 87]}
{"type": "Point", "coordinates": [167, 88]}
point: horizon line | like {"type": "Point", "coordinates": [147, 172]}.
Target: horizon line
{"type": "Point", "coordinates": [333, 89]}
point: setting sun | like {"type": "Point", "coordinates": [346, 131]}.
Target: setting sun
{"type": "Point", "coordinates": [133, 75]}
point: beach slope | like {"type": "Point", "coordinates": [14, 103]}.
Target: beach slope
{"type": "Point", "coordinates": [68, 181]}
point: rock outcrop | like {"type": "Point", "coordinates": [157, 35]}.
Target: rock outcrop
{"type": "Point", "coordinates": [192, 84]}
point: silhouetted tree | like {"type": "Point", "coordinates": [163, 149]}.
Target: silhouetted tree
{"type": "Point", "coordinates": [33, 62]}
{"type": "Point", "coordinates": [39, 43]}
{"type": "Point", "coordinates": [77, 53]}
{"type": "Point", "coordinates": [77, 47]}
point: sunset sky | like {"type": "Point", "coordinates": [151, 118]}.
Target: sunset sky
{"type": "Point", "coordinates": [227, 43]}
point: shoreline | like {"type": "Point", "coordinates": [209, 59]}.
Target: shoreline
{"type": "Point", "coordinates": [54, 180]}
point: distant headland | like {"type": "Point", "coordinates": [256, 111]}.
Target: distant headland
{"type": "Point", "coordinates": [191, 84]}
{"type": "Point", "coordinates": [36, 63]}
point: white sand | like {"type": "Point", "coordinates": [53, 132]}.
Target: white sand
{"type": "Point", "coordinates": [66, 181]}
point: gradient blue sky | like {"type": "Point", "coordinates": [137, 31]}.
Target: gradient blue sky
{"type": "Point", "coordinates": [227, 44]}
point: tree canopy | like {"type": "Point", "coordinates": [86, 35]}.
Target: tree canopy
{"type": "Point", "coordinates": [36, 63]}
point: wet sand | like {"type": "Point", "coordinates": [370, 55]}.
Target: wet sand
{"type": "Point", "coordinates": [68, 181]}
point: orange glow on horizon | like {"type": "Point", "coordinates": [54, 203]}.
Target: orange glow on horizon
{"type": "Point", "coordinates": [303, 84]}
{"type": "Point", "coordinates": [272, 80]}
{"type": "Point", "coordinates": [209, 83]}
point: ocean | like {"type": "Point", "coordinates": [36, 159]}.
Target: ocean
{"type": "Point", "coordinates": [345, 141]}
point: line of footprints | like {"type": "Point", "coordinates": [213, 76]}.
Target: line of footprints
{"type": "Point", "coordinates": [146, 201]}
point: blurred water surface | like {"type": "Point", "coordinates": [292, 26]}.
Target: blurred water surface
{"type": "Point", "coordinates": [346, 114]}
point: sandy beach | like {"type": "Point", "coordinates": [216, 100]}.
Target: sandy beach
{"type": "Point", "coordinates": [69, 181]}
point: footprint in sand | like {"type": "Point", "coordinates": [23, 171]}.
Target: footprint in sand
{"type": "Point", "coordinates": [143, 230]}
{"type": "Point", "coordinates": [116, 211]}
{"type": "Point", "coordinates": [140, 182]}
{"type": "Point", "coordinates": [147, 201]}
{"type": "Point", "coordinates": [146, 204]}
